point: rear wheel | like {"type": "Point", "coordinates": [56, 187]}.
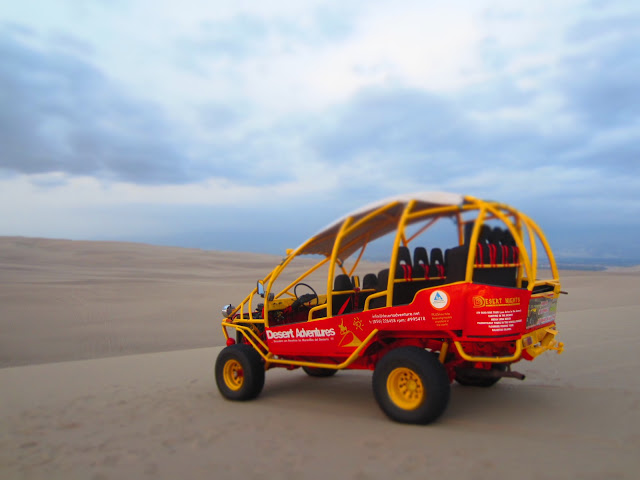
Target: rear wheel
{"type": "Point", "coordinates": [319, 372]}
{"type": "Point", "coordinates": [479, 378]}
{"type": "Point", "coordinates": [411, 385]}
{"type": "Point", "coordinates": [239, 372]}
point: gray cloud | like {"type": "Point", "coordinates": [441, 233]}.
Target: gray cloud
{"type": "Point", "coordinates": [602, 83]}
{"type": "Point", "coordinates": [218, 116]}
{"type": "Point", "coordinates": [245, 36]}
{"type": "Point", "coordinates": [420, 134]}
{"type": "Point", "coordinates": [60, 113]}
{"type": "Point", "coordinates": [238, 37]}
{"type": "Point", "coordinates": [383, 121]}
{"type": "Point", "coordinates": [419, 131]}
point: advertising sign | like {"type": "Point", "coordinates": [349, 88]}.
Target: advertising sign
{"type": "Point", "coordinates": [542, 310]}
{"type": "Point", "coordinates": [496, 311]}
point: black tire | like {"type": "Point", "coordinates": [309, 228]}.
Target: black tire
{"type": "Point", "coordinates": [467, 378]}
{"type": "Point", "coordinates": [319, 372]}
{"type": "Point", "coordinates": [239, 372]}
{"type": "Point", "coordinates": [411, 385]}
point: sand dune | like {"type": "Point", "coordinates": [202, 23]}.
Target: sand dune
{"type": "Point", "coordinates": [159, 415]}
{"type": "Point", "coordinates": [69, 300]}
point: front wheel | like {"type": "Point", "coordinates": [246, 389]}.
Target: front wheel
{"type": "Point", "coordinates": [239, 372]}
{"type": "Point", "coordinates": [411, 385]}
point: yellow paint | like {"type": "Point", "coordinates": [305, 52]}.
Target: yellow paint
{"type": "Point", "coordinates": [405, 388]}
{"type": "Point", "coordinates": [443, 352]}
{"type": "Point", "coordinates": [472, 358]}
{"type": "Point", "coordinates": [233, 375]}
{"type": "Point", "coordinates": [349, 339]}
{"type": "Point", "coordinates": [542, 340]}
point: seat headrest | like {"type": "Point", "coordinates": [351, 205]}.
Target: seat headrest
{"type": "Point", "coordinates": [404, 255]}
{"type": "Point", "coordinates": [370, 280]}
{"type": "Point", "coordinates": [342, 282]}
{"type": "Point", "coordinates": [420, 256]}
{"type": "Point", "coordinates": [436, 256]}
{"type": "Point", "coordinates": [495, 236]}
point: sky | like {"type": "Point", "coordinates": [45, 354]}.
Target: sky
{"type": "Point", "coordinates": [250, 125]}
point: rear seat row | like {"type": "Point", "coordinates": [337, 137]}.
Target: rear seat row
{"type": "Point", "coordinates": [348, 296]}
{"type": "Point", "coordinates": [421, 268]}
{"type": "Point", "coordinates": [409, 279]}
{"type": "Point", "coordinates": [496, 264]}
{"type": "Point", "coordinates": [495, 246]}
{"type": "Point", "coordinates": [496, 261]}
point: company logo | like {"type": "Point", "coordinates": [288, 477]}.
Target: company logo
{"type": "Point", "coordinates": [315, 332]}
{"type": "Point", "coordinates": [301, 333]}
{"type": "Point", "coordinates": [280, 335]}
{"type": "Point", "coordinates": [439, 300]}
{"type": "Point", "coordinates": [479, 301]}
{"type": "Point", "coordinates": [350, 339]}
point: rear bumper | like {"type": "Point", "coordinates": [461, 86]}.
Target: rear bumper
{"type": "Point", "coordinates": [529, 346]}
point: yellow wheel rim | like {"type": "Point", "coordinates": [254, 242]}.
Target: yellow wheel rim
{"type": "Point", "coordinates": [233, 374]}
{"type": "Point", "coordinates": [405, 388]}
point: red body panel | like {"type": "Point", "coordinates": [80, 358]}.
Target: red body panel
{"type": "Point", "coordinates": [469, 310]}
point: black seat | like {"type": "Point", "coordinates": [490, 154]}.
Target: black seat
{"type": "Point", "coordinates": [343, 302]}
{"type": "Point", "coordinates": [457, 263]}
{"type": "Point", "coordinates": [468, 228]}
{"type": "Point", "coordinates": [495, 235]}
{"type": "Point", "coordinates": [495, 242]}
{"type": "Point", "coordinates": [381, 285]}
{"type": "Point", "coordinates": [420, 263]}
{"type": "Point", "coordinates": [383, 279]}
{"type": "Point", "coordinates": [402, 291]}
{"type": "Point", "coordinates": [483, 251]}
{"type": "Point", "coordinates": [369, 286]}
{"type": "Point", "coordinates": [404, 267]}
{"type": "Point", "coordinates": [489, 267]}
{"type": "Point", "coordinates": [370, 281]}
{"type": "Point", "coordinates": [508, 255]}
{"type": "Point", "coordinates": [509, 248]}
{"type": "Point", "coordinates": [437, 265]}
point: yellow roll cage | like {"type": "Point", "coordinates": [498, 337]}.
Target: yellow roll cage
{"type": "Point", "coordinates": [355, 231]}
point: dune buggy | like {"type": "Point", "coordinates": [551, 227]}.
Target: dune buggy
{"type": "Point", "coordinates": [429, 317]}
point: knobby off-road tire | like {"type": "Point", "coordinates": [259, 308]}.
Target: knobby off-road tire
{"type": "Point", "coordinates": [239, 372]}
{"type": "Point", "coordinates": [319, 372]}
{"type": "Point", "coordinates": [411, 385]}
{"type": "Point", "coordinates": [468, 379]}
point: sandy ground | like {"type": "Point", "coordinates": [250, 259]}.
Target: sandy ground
{"type": "Point", "coordinates": [82, 397]}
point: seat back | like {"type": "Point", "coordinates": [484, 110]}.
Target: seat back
{"type": "Point", "coordinates": [370, 281]}
{"type": "Point", "coordinates": [437, 265]}
{"type": "Point", "coordinates": [495, 259]}
{"type": "Point", "coordinates": [369, 286]}
{"type": "Point", "coordinates": [404, 268]}
{"type": "Point", "coordinates": [342, 302]}
{"type": "Point", "coordinates": [456, 263]}
{"type": "Point", "coordinates": [420, 263]}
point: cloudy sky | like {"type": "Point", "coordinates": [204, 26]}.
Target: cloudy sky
{"type": "Point", "coordinates": [249, 125]}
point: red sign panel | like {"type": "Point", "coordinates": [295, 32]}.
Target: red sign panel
{"type": "Point", "coordinates": [496, 311]}
{"type": "Point", "coordinates": [476, 310]}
